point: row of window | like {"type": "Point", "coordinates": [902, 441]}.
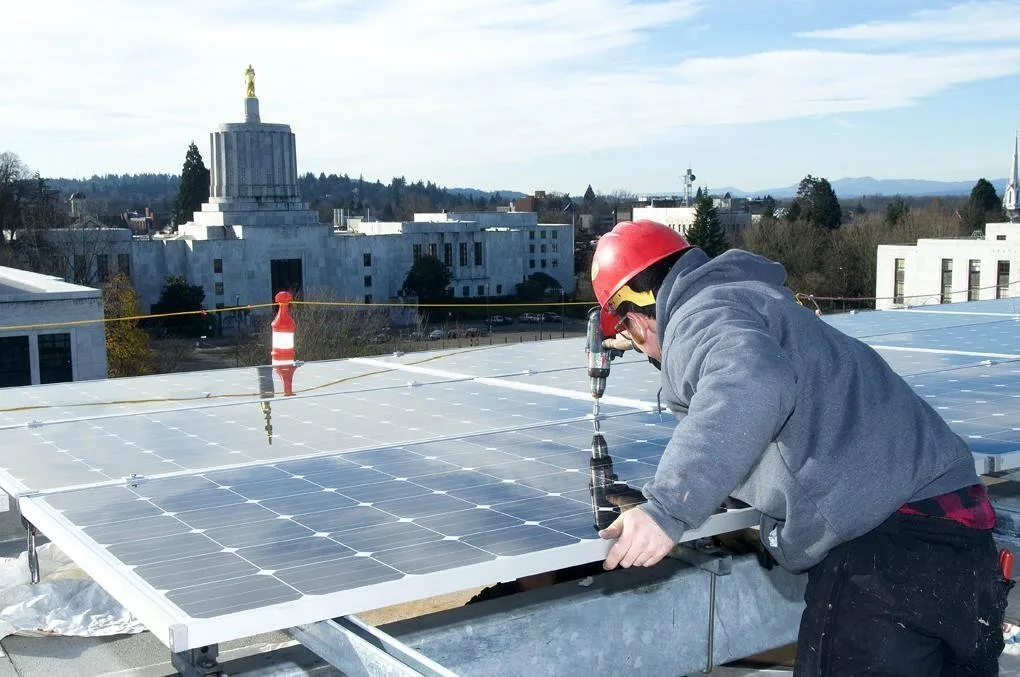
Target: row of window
{"type": "Point", "coordinates": [555, 263]}
{"type": "Point", "coordinates": [465, 291]}
{"type": "Point", "coordinates": [973, 280]}
{"type": "Point", "coordinates": [531, 234]}
{"type": "Point", "coordinates": [554, 248]}
{"type": "Point", "coordinates": [432, 250]}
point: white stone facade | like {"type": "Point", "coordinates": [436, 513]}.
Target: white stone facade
{"type": "Point", "coordinates": [950, 270]}
{"type": "Point", "coordinates": [31, 299]}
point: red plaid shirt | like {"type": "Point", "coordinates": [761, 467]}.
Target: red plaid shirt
{"type": "Point", "coordinates": [968, 505]}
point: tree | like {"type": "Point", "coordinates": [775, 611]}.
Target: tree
{"type": "Point", "coordinates": [707, 231]}
{"type": "Point", "coordinates": [896, 211]}
{"type": "Point", "coordinates": [180, 297]}
{"type": "Point", "coordinates": [984, 205]}
{"type": "Point", "coordinates": [768, 207]}
{"type": "Point", "coordinates": [816, 203]}
{"type": "Point", "coordinates": [194, 188]}
{"type": "Point", "coordinates": [533, 289]}
{"type": "Point", "coordinates": [428, 279]}
{"type": "Point", "coordinates": [127, 344]}
{"type": "Point", "coordinates": [589, 196]}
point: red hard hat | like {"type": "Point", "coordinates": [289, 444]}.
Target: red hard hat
{"type": "Point", "coordinates": [626, 250]}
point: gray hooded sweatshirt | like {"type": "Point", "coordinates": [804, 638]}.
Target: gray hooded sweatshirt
{"type": "Point", "coordinates": [782, 411]}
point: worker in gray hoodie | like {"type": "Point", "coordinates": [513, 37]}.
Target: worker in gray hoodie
{"type": "Point", "coordinates": [859, 482]}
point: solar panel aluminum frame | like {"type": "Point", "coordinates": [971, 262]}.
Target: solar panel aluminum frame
{"type": "Point", "coordinates": [181, 632]}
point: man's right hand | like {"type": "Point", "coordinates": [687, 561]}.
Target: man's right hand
{"type": "Point", "coordinates": [618, 342]}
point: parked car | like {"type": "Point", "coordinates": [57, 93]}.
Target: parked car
{"type": "Point", "coordinates": [472, 332]}
{"type": "Point", "coordinates": [530, 318]}
{"type": "Point", "coordinates": [416, 336]}
{"type": "Point", "coordinates": [497, 320]}
{"type": "Point", "coordinates": [551, 317]}
{"type": "Point", "coordinates": [435, 334]}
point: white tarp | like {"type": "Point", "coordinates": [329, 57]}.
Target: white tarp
{"type": "Point", "coordinates": [64, 602]}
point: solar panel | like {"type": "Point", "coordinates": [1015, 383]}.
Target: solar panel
{"type": "Point", "coordinates": [343, 532]}
{"type": "Point", "coordinates": [391, 478]}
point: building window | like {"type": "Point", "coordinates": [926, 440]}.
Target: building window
{"type": "Point", "coordinates": [531, 249]}
{"type": "Point", "coordinates": [217, 266]}
{"type": "Point", "coordinates": [499, 290]}
{"type": "Point", "coordinates": [465, 291]}
{"type": "Point", "coordinates": [481, 290]}
{"type": "Point", "coordinates": [124, 264]}
{"type": "Point", "coordinates": [543, 263]}
{"type": "Point", "coordinates": [463, 253]}
{"type": "Point", "coordinates": [531, 263]}
{"type": "Point", "coordinates": [432, 250]}
{"type": "Point", "coordinates": [543, 249]}
{"type": "Point", "coordinates": [478, 253]}
{"type": "Point", "coordinates": [103, 267]}
{"type": "Point", "coordinates": [368, 299]}
{"type": "Point", "coordinates": [947, 281]}
{"type": "Point", "coordinates": [555, 233]}
{"type": "Point", "coordinates": [531, 235]}
{"type": "Point", "coordinates": [220, 306]}
{"type": "Point", "coordinates": [1001, 238]}
{"type": "Point", "coordinates": [15, 363]}
{"type": "Point", "coordinates": [555, 263]}
{"type": "Point", "coordinates": [416, 252]}
{"type": "Point", "coordinates": [218, 288]}
{"type": "Point", "coordinates": [366, 259]}
{"type": "Point", "coordinates": [898, 282]}
{"type": "Point", "coordinates": [55, 358]}
{"type": "Point", "coordinates": [368, 280]}
{"type": "Point", "coordinates": [555, 247]}
{"type": "Point", "coordinates": [1002, 281]}
{"type": "Point", "coordinates": [448, 254]}
{"type": "Point", "coordinates": [543, 234]}
{"type": "Point", "coordinates": [974, 280]}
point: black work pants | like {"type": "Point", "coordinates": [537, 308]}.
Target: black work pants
{"type": "Point", "coordinates": [916, 596]}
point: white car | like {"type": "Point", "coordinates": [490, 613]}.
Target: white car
{"type": "Point", "coordinates": [435, 334]}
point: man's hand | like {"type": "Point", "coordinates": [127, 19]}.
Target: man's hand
{"type": "Point", "coordinates": [640, 541]}
{"type": "Point", "coordinates": [618, 342]}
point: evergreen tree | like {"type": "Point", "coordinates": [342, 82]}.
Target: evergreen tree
{"type": "Point", "coordinates": [589, 195]}
{"type": "Point", "coordinates": [428, 279]}
{"type": "Point", "coordinates": [707, 231]}
{"type": "Point", "coordinates": [180, 297]}
{"type": "Point", "coordinates": [127, 344]}
{"type": "Point", "coordinates": [983, 206]}
{"type": "Point", "coordinates": [194, 188]}
{"type": "Point", "coordinates": [817, 204]}
{"type": "Point", "coordinates": [896, 211]}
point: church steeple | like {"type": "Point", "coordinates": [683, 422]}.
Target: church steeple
{"type": "Point", "coordinates": [1010, 199]}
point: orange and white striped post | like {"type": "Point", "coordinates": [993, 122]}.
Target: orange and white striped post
{"type": "Point", "coordinates": [282, 353]}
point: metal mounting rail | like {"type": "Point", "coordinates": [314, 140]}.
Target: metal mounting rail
{"type": "Point", "coordinates": [360, 650]}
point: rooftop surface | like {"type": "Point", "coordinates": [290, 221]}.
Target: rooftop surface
{"type": "Point", "coordinates": [169, 491]}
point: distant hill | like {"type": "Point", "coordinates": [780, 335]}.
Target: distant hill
{"type": "Point", "coordinates": [866, 185]}
{"type": "Point", "coordinates": [474, 193]}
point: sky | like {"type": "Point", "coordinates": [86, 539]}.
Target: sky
{"type": "Point", "coordinates": [524, 94]}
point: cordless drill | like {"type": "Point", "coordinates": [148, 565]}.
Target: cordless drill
{"type": "Point", "coordinates": [598, 360]}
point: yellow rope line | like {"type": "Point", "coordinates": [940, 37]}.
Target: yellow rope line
{"type": "Point", "coordinates": [342, 304]}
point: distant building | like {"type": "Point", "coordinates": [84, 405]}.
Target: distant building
{"type": "Point", "coordinates": [49, 354]}
{"type": "Point", "coordinates": [255, 237]}
{"type": "Point", "coordinates": [949, 270]}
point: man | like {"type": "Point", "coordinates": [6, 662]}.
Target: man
{"type": "Point", "coordinates": [859, 482]}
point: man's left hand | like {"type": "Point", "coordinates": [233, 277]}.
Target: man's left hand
{"type": "Point", "coordinates": [640, 541]}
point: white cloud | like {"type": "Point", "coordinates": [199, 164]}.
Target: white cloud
{"type": "Point", "coordinates": [446, 89]}
{"type": "Point", "coordinates": [977, 22]}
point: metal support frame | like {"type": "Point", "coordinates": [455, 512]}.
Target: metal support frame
{"type": "Point", "coordinates": [33, 552]}
{"type": "Point", "coordinates": [197, 662]}
{"type": "Point", "coordinates": [360, 650]}
{"type": "Point", "coordinates": [717, 563]}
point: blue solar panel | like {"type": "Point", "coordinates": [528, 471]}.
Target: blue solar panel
{"type": "Point", "coordinates": [229, 540]}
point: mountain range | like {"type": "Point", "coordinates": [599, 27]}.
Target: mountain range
{"type": "Point", "coordinates": [866, 185]}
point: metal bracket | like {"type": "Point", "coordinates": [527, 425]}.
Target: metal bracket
{"type": "Point", "coordinates": [717, 563]}
{"type": "Point", "coordinates": [360, 650]}
{"type": "Point", "coordinates": [197, 662]}
{"type": "Point", "coordinates": [33, 553]}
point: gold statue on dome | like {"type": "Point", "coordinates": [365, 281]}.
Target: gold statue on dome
{"type": "Point", "coordinates": [249, 78]}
